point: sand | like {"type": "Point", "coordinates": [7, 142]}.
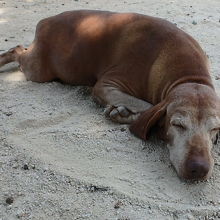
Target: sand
{"type": "Point", "coordinates": [60, 158]}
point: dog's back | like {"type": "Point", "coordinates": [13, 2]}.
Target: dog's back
{"type": "Point", "coordinates": [141, 55]}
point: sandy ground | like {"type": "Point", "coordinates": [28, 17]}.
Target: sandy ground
{"type": "Point", "coordinates": [61, 159]}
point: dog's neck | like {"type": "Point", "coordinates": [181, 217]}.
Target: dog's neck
{"type": "Point", "coordinates": [203, 80]}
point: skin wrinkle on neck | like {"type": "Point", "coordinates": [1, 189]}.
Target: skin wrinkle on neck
{"type": "Point", "coordinates": [203, 80]}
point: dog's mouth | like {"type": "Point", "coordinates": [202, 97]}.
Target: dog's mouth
{"type": "Point", "coordinates": [194, 177]}
{"type": "Point", "coordinates": [196, 165]}
{"type": "Point", "coordinates": [190, 179]}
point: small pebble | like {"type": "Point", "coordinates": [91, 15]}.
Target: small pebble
{"type": "Point", "coordinates": [150, 211]}
{"type": "Point", "coordinates": [6, 39]}
{"type": "Point", "coordinates": [118, 205]}
{"type": "Point", "coordinates": [25, 167]}
{"type": "Point", "coordinates": [108, 149]}
{"type": "Point", "coordinates": [9, 200]}
{"type": "Point", "coordinates": [194, 22]}
{"type": "Point", "coordinates": [123, 129]}
{"type": "Point", "coordinates": [15, 166]}
{"type": "Point", "coordinates": [189, 217]}
{"type": "Point", "coordinates": [8, 113]}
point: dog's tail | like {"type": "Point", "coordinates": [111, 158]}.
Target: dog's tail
{"type": "Point", "coordinates": [11, 55]}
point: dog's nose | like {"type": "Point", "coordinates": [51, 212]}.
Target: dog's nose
{"type": "Point", "coordinates": [197, 169]}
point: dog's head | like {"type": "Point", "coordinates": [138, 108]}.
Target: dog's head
{"type": "Point", "coordinates": [189, 119]}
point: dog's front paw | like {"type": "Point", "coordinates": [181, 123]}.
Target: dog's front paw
{"type": "Point", "coordinates": [120, 114]}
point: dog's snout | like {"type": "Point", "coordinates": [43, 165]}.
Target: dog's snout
{"type": "Point", "coordinates": [197, 169]}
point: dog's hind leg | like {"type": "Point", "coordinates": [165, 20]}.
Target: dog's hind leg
{"type": "Point", "coordinates": [30, 62]}
{"type": "Point", "coordinates": [120, 107]}
{"type": "Point", "coordinates": [11, 55]}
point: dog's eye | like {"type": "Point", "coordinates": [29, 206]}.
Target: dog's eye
{"type": "Point", "coordinates": [178, 125]}
{"type": "Point", "coordinates": [215, 130]}
{"type": "Point", "coordinates": [215, 135]}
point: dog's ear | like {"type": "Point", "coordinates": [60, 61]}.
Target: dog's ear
{"type": "Point", "coordinates": [148, 119]}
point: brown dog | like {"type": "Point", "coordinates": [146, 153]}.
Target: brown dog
{"type": "Point", "coordinates": [139, 66]}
